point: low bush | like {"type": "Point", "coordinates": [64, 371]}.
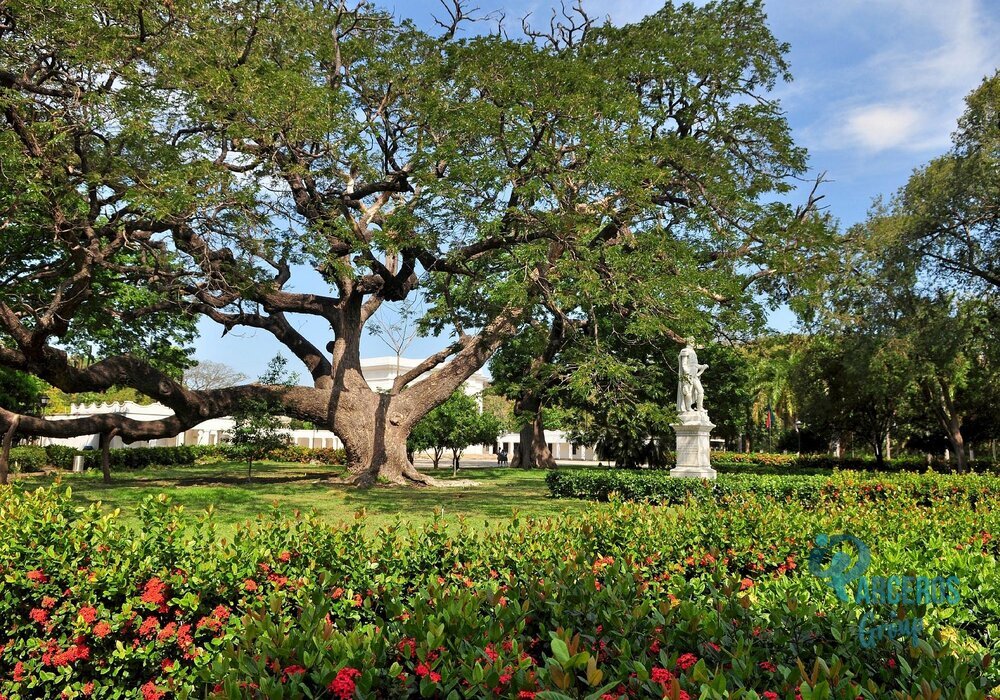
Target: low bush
{"type": "Point", "coordinates": [659, 487]}
{"type": "Point", "coordinates": [28, 459]}
{"type": "Point", "coordinates": [626, 600]}
{"type": "Point", "coordinates": [60, 456]}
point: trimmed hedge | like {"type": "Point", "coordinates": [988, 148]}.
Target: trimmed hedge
{"type": "Point", "coordinates": [770, 463]}
{"type": "Point", "coordinates": [659, 487]}
{"type": "Point", "coordinates": [28, 459]}
{"type": "Point", "coordinates": [61, 457]}
{"type": "Point", "coordinates": [125, 458]}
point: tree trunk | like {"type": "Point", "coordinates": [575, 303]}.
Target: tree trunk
{"type": "Point", "coordinates": [106, 439]}
{"type": "Point", "coordinates": [939, 394]}
{"type": "Point", "coordinates": [879, 446]}
{"type": "Point", "coordinates": [5, 452]}
{"type": "Point", "coordinates": [374, 438]}
{"type": "Point", "coordinates": [532, 450]}
{"type": "Point", "coordinates": [957, 446]}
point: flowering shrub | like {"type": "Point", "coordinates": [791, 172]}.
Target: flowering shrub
{"type": "Point", "coordinates": [626, 600]}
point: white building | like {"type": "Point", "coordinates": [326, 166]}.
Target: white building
{"type": "Point", "coordinates": [380, 372]}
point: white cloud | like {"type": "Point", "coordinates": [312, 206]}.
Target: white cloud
{"type": "Point", "coordinates": [878, 127]}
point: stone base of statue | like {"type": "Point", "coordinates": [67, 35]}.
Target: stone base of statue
{"type": "Point", "coordinates": [693, 446]}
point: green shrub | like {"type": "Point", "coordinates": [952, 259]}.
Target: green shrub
{"type": "Point", "coordinates": [659, 487]}
{"type": "Point", "coordinates": [140, 457]}
{"type": "Point", "coordinates": [770, 463]}
{"type": "Point", "coordinates": [28, 459]}
{"type": "Point", "coordinates": [61, 457]}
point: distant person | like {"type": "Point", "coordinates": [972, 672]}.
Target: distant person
{"type": "Point", "coordinates": [503, 457]}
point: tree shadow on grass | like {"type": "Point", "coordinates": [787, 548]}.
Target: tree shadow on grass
{"type": "Point", "coordinates": [500, 492]}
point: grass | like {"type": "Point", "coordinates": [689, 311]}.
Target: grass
{"type": "Point", "coordinates": [291, 487]}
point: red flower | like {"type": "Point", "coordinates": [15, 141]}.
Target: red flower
{"type": "Point", "coordinates": [890, 663]}
{"type": "Point", "coordinates": [434, 676]}
{"type": "Point", "coordinates": [526, 695]}
{"type": "Point", "coordinates": [19, 672]}
{"type": "Point", "coordinates": [293, 670]}
{"type": "Point", "coordinates": [770, 695]}
{"type": "Point", "coordinates": [38, 576]}
{"type": "Point", "coordinates": [88, 688]}
{"type": "Point", "coordinates": [38, 615]}
{"type": "Point", "coordinates": [151, 692]}
{"type": "Point", "coordinates": [407, 646]}
{"type": "Point", "coordinates": [343, 685]}
{"type": "Point", "coordinates": [155, 593]}
{"type": "Point", "coordinates": [168, 631]}
{"type": "Point", "coordinates": [184, 638]}
{"type": "Point", "coordinates": [48, 602]}
{"type": "Point", "coordinates": [661, 675]}
{"type": "Point", "coordinates": [421, 670]}
{"type": "Point", "coordinates": [88, 614]}
{"type": "Point", "coordinates": [149, 627]}
{"type": "Point", "coordinates": [686, 661]}
{"type": "Point", "coordinates": [102, 629]}
{"type": "Point", "coordinates": [768, 666]}
{"type": "Point", "coordinates": [285, 557]}
{"type": "Point", "coordinates": [250, 585]}
{"type": "Point", "coordinates": [746, 583]}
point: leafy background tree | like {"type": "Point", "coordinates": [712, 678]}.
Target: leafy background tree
{"type": "Point", "coordinates": [455, 425]}
{"type": "Point", "coordinates": [257, 429]}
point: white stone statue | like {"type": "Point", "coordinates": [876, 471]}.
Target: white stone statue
{"type": "Point", "coordinates": [690, 393]}
{"type": "Point", "coordinates": [694, 429]}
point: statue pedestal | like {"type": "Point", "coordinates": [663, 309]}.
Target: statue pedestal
{"type": "Point", "coordinates": [693, 446]}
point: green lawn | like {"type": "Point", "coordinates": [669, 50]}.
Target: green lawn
{"type": "Point", "coordinates": [306, 488]}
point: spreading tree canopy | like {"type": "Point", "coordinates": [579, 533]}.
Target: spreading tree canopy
{"type": "Point", "coordinates": [255, 161]}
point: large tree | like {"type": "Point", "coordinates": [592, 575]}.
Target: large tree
{"type": "Point", "coordinates": [166, 161]}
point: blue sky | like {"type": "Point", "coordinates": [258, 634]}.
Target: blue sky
{"type": "Point", "coordinates": [878, 87]}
